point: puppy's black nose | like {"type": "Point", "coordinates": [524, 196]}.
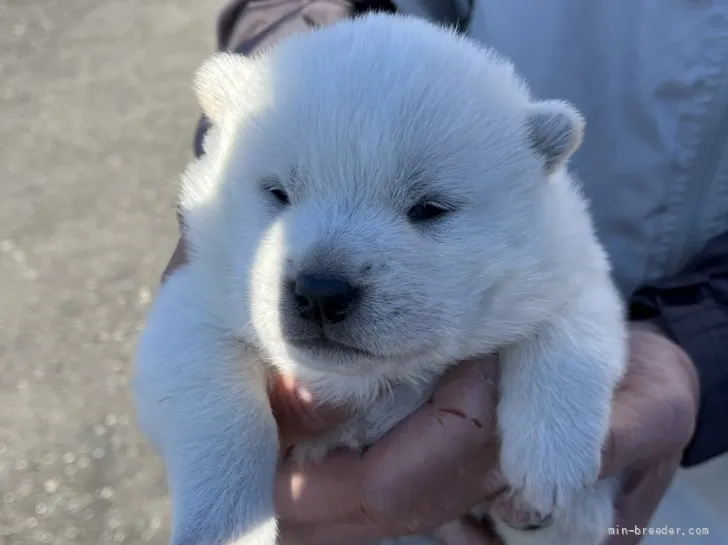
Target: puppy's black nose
{"type": "Point", "coordinates": [324, 299]}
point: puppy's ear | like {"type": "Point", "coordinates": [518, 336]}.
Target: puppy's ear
{"type": "Point", "coordinates": [218, 83]}
{"type": "Point", "coordinates": [555, 130]}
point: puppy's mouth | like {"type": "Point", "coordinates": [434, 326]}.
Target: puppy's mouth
{"type": "Point", "coordinates": [326, 344]}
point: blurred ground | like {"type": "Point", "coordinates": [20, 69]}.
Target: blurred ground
{"type": "Point", "coordinates": [96, 122]}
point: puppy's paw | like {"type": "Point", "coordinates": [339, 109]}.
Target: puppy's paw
{"type": "Point", "coordinates": [553, 417]}
{"type": "Point", "coordinates": [546, 465]}
{"type": "Point", "coordinates": [586, 521]}
{"type": "Point", "coordinates": [510, 508]}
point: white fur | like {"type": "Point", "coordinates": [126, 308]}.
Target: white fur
{"type": "Point", "coordinates": [357, 123]}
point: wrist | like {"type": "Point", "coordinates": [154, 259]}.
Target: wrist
{"type": "Point", "coordinates": [648, 326]}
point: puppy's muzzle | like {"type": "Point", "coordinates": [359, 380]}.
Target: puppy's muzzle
{"type": "Point", "coordinates": [324, 299]}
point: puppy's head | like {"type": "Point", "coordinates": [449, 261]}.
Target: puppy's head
{"type": "Point", "coordinates": [379, 186]}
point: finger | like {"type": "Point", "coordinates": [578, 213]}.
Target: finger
{"type": "Point", "coordinates": [654, 410]}
{"type": "Point", "coordinates": [442, 461]}
{"type": "Point", "coordinates": [640, 497]}
{"type": "Point", "coordinates": [328, 493]}
{"type": "Point", "coordinates": [325, 535]}
{"type": "Point", "coordinates": [297, 413]}
{"type": "Point", "coordinates": [429, 470]}
{"type": "Point", "coordinates": [467, 531]}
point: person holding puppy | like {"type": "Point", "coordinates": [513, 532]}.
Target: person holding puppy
{"type": "Point", "coordinates": [652, 82]}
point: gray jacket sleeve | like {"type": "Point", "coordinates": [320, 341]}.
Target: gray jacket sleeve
{"type": "Point", "coordinates": [246, 26]}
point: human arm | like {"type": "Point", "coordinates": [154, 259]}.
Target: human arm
{"type": "Point", "coordinates": [387, 492]}
{"type": "Point", "coordinates": [691, 308]}
{"type": "Point", "coordinates": [249, 26]}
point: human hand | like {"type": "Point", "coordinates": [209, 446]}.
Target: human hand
{"type": "Point", "coordinates": [402, 485]}
{"type": "Point", "coordinates": [440, 462]}
{"type": "Point", "coordinates": [653, 420]}
{"type": "Point", "coordinates": [417, 479]}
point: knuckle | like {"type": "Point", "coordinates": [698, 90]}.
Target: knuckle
{"type": "Point", "coordinates": [685, 420]}
{"type": "Point", "coordinates": [392, 513]}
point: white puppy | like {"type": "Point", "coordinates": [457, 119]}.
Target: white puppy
{"type": "Point", "coordinates": [379, 200]}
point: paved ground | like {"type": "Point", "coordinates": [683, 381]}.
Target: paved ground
{"type": "Point", "coordinates": [96, 121]}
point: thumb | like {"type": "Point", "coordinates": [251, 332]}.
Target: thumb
{"type": "Point", "coordinates": [298, 414]}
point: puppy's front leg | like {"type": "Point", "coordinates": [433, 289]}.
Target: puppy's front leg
{"type": "Point", "coordinates": [556, 395]}
{"type": "Point", "coordinates": [204, 405]}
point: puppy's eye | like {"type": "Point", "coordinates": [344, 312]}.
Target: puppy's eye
{"type": "Point", "coordinates": [427, 211]}
{"type": "Point", "coordinates": [280, 195]}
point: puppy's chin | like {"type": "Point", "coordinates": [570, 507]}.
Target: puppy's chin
{"type": "Point", "coordinates": [323, 359]}
{"type": "Point", "coordinates": [324, 355]}
{"type": "Point", "coordinates": [328, 348]}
